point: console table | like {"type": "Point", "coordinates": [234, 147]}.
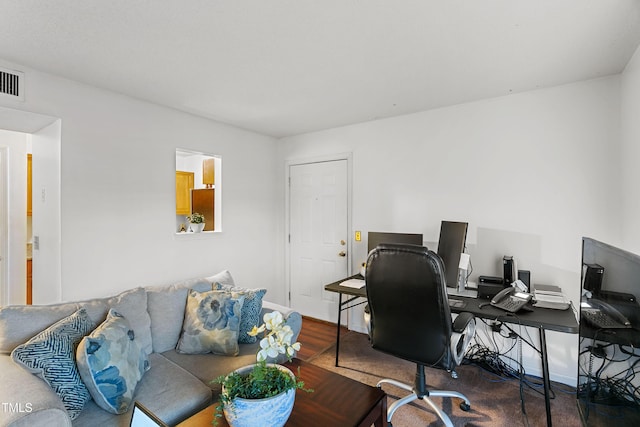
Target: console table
{"type": "Point", "coordinates": [542, 319]}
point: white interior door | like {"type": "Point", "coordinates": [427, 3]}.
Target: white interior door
{"type": "Point", "coordinates": [318, 233]}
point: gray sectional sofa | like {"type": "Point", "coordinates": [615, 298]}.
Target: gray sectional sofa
{"type": "Point", "coordinates": [175, 386]}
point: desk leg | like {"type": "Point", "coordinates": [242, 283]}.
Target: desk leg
{"type": "Point", "coordinates": [338, 329]}
{"type": "Point", "coordinates": [545, 375]}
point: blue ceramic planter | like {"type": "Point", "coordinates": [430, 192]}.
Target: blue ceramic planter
{"type": "Point", "coordinates": [269, 412]}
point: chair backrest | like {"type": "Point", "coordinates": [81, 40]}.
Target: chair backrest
{"type": "Point", "coordinates": [410, 315]}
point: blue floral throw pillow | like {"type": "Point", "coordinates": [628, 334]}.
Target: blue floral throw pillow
{"type": "Point", "coordinates": [251, 309]}
{"type": "Point", "coordinates": [51, 356]}
{"type": "Point", "coordinates": [211, 323]}
{"type": "Point", "coordinates": [111, 363]}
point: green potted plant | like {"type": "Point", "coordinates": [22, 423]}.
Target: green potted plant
{"type": "Point", "coordinates": [197, 222]}
{"type": "Point", "coordinates": [262, 393]}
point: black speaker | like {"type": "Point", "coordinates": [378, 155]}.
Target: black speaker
{"type": "Point", "coordinates": [592, 277]}
{"type": "Point", "coordinates": [509, 268]}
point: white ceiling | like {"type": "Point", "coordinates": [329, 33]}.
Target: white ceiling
{"type": "Point", "coordinates": [285, 67]}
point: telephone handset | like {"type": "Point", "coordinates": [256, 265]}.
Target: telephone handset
{"type": "Point", "coordinates": [603, 315]}
{"type": "Point", "coordinates": [510, 300]}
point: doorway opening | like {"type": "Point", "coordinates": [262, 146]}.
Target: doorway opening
{"type": "Point", "coordinates": [22, 133]}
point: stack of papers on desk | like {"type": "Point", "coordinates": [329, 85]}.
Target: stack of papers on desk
{"type": "Point", "coordinates": [550, 296]}
{"type": "Point", "coordinates": [353, 283]}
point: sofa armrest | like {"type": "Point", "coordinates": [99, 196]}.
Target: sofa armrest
{"type": "Point", "coordinates": [26, 400]}
{"type": "Point", "coordinates": [291, 317]}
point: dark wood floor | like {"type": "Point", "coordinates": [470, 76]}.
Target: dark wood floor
{"type": "Point", "coordinates": [316, 336]}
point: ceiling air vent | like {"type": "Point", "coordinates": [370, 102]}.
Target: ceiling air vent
{"type": "Point", "coordinates": [12, 84]}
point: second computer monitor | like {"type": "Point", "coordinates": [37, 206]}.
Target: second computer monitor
{"type": "Point", "coordinates": [374, 238]}
{"type": "Point", "coordinates": [453, 236]}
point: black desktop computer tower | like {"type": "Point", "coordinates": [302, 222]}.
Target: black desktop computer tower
{"type": "Point", "coordinates": [592, 277]}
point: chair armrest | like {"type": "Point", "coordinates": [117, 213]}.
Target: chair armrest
{"type": "Point", "coordinates": [462, 320]}
{"type": "Point", "coordinates": [26, 400]}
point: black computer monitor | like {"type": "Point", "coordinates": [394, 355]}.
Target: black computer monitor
{"type": "Point", "coordinates": [453, 237]}
{"type": "Point", "coordinates": [374, 238]}
{"type": "Point", "coordinates": [620, 273]}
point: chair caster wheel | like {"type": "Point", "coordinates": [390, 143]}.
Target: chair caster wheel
{"type": "Point", "coordinates": [465, 406]}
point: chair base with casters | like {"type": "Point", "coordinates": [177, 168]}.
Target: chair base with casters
{"type": "Point", "coordinates": [464, 328]}
{"type": "Point", "coordinates": [419, 391]}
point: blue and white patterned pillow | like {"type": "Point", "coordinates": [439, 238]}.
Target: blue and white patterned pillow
{"type": "Point", "coordinates": [111, 363]}
{"type": "Point", "coordinates": [211, 323]}
{"type": "Point", "coordinates": [251, 309]}
{"type": "Point", "coordinates": [51, 356]}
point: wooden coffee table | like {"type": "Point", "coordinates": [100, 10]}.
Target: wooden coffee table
{"type": "Point", "coordinates": [336, 401]}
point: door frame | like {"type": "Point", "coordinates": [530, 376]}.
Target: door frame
{"type": "Point", "coordinates": [287, 202]}
{"type": "Point", "coordinates": [4, 226]}
{"type": "Point", "coordinates": [33, 124]}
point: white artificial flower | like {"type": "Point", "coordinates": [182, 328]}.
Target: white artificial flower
{"type": "Point", "coordinates": [273, 320]}
{"type": "Point", "coordinates": [255, 331]}
{"type": "Point", "coordinates": [278, 339]}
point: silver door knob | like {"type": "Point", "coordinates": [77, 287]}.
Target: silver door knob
{"type": "Point", "coordinates": [342, 253]}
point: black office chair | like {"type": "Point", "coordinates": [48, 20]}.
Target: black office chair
{"type": "Point", "coordinates": [410, 319]}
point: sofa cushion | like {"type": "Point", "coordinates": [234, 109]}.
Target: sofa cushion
{"type": "Point", "coordinates": [166, 309]}
{"type": "Point", "coordinates": [208, 367]}
{"type": "Point", "coordinates": [19, 323]}
{"type": "Point", "coordinates": [51, 356]}
{"type": "Point", "coordinates": [111, 363]}
{"type": "Point", "coordinates": [169, 391]}
{"type": "Point", "coordinates": [251, 309]}
{"type": "Point", "coordinates": [132, 304]}
{"type": "Point", "coordinates": [211, 323]}
{"type": "Point", "coordinates": [224, 278]}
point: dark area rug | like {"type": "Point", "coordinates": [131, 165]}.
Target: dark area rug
{"type": "Point", "coordinates": [495, 401]}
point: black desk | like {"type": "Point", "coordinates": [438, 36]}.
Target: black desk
{"type": "Point", "coordinates": [353, 293]}
{"type": "Point", "coordinates": [541, 318]}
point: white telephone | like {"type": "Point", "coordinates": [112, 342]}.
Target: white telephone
{"type": "Point", "coordinates": [519, 285]}
{"type": "Point", "coordinates": [509, 299]}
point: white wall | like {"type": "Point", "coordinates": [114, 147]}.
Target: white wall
{"type": "Point", "coordinates": [118, 192]}
{"type": "Point", "coordinates": [630, 155]}
{"type": "Point", "coordinates": [45, 202]}
{"type": "Point", "coordinates": [532, 173]}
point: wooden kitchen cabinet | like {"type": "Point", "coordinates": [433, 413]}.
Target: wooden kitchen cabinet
{"type": "Point", "coordinates": [208, 172]}
{"type": "Point", "coordinates": [184, 185]}
{"type": "Point", "coordinates": [203, 202]}
{"type": "Point", "coordinates": [29, 185]}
